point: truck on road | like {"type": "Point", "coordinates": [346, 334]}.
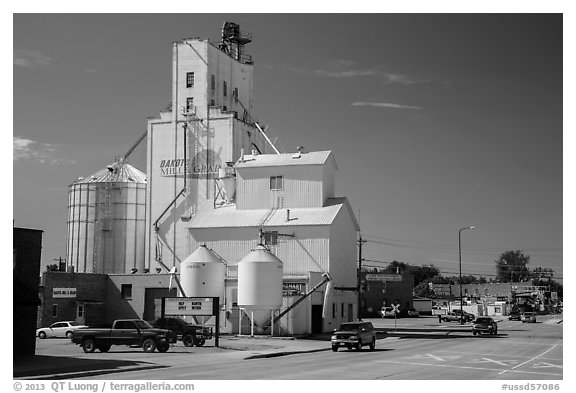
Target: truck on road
{"type": "Point", "coordinates": [131, 332]}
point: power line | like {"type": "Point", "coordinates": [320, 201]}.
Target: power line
{"type": "Point", "coordinates": [400, 243]}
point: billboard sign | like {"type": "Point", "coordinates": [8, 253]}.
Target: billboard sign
{"type": "Point", "coordinates": [384, 277]}
{"type": "Point", "coordinates": [189, 306]}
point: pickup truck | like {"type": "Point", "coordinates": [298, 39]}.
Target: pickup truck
{"type": "Point", "coordinates": [189, 333]}
{"type": "Point", "coordinates": [131, 332]}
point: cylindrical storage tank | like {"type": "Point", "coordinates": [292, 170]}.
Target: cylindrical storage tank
{"type": "Point", "coordinates": [260, 276]}
{"type": "Point", "coordinates": [203, 274]}
{"type": "Point", "coordinates": [106, 221]}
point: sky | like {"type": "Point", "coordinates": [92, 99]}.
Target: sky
{"type": "Point", "coordinates": [436, 121]}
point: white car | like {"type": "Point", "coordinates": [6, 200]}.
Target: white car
{"type": "Point", "coordinates": [388, 312]}
{"type": "Point", "coordinates": [59, 329]}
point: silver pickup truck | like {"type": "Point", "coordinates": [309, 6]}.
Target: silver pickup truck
{"type": "Point", "coordinates": [131, 332]}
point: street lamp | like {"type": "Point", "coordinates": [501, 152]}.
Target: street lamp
{"type": "Point", "coordinates": [460, 263]}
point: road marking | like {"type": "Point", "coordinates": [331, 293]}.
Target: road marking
{"type": "Point", "coordinates": [545, 365]}
{"type": "Point", "coordinates": [438, 358]}
{"type": "Point", "coordinates": [466, 367]}
{"type": "Point", "coordinates": [531, 359]}
{"type": "Point", "coordinates": [505, 363]}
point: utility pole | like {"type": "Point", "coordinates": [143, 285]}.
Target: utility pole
{"type": "Point", "coordinates": [360, 243]}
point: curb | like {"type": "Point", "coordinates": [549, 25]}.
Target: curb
{"type": "Point", "coordinates": [51, 375]}
{"type": "Point", "coordinates": [284, 353]}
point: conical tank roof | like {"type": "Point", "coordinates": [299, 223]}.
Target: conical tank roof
{"type": "Point", "coordinates": [117, 172]}
{"type": "Point", "coordinates": [202, 254]}
{"type": "Point", "coordinates": [260, 254]}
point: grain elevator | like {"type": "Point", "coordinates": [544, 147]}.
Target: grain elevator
{"type": "Point", "coordinates": [229, 215]}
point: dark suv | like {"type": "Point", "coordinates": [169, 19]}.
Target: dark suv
{"type": "Point", "coordinates": [354, 334]}
{"type": "Point", "coordinates": [485, 325]}
{"type": "Point", "coordinates": [189, 333]}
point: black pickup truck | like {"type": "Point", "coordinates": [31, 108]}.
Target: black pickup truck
{"type": "Point", "coordinates": [189, 333]}
{"type": "Point", "coordinates": [131, 332]}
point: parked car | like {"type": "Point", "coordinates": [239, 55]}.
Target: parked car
{"type": "Point", "coordinates": [354, 335]}
{"type": "Point", "coordinates": [485, 325]}
{"type": "Point", "coordinates": [59, 329]}
{"type": "Point", "coordinates": [388, 312]}
{"type": "Point", "coordinates": [468, 317]}
{"type": "Point", "coordinates": [454, 316]}
{"type": "Point", "coordinates": [131, 332]}
{"type": "Point", "coordinates": [514, 316]}
{"type": "Point", "coordinates": [413, 313]}
{"type": "Point", "coordinates": [189, 333]}
{"type": "Point", "coordinates": [529, 317]}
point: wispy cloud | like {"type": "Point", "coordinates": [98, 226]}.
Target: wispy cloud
{"type": "Point", "coordinates": [30, 58]}
{"type": "Point", "coordinates": [385, 105]}
{"type": "Point", "coordinates": [351, 69]}
{"type": "Point", "coordinates": [44, 153]}
{"type": "Point", "coordinates": [92, 70]}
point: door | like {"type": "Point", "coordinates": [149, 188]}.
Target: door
{"type": "Point", "coordinates": [59, 329]}
{"type": "Point", "coordinates": [350, 312]}
{"type": "Point", "coordinates": [317, 318]}
{"type": "Point", "coordinates": [125, 333]}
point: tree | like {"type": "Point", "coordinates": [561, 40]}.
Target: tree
{"type": "Point", "coordinates": [420, 273]}
{"type": "Point", "coordinates": [511, 266]}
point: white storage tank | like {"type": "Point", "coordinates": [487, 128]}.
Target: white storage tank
{"type": "Point", "coordinates": [203, 274]}
{"type": "Point", "coordinates": [260, 276]}
{"type": "Point", "coordinates": [106, 221]}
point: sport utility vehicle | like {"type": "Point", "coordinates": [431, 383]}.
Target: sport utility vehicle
{"type": "Point", "coordinates": [354, 334]}
{"type": "Point", "coordinates": [529, 317]}
{"type": "Point", "coordinates": [485, 325]}
{"type": "Point", "coordinates": [189, 333]}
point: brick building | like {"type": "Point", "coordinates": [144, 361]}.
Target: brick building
{"type": "Point", "coordinates": [26, 254]}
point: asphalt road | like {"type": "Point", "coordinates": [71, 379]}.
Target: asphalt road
{"type": "Point", "coordinates": [518, 352]}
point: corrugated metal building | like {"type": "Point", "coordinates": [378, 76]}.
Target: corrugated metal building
{"type": "Point", "coordinates": [106, 221]}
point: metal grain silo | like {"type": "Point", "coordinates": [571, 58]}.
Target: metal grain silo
{"type": "Point", "coordinates": [202, 274]}
{"type": "Point", "coordinates": [260, 276]}
{"type": "Point", "coordinates": [106, 221]}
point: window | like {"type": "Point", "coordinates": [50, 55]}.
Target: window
{"type": "Point", "coordinates": [189, 79]}
{"type": "Point", "coordinates": [276, 183]}
{"type": "Point", "coordinates": [80, 311]}
{"type": "Point", "coordinates": [54, 310]}
{"type": "Point", "coordinates": [126, 291]}
{"type": "Point", "coordinates": [271, 238]}
{"type": "Point", "coordinates": [333, 310]}
{"type": "Point", "coordinates": [235, 93]}
{"type": "Point", "coordinates": [190, 104]}
{"type": "Point", "coordinates": [342, 310]}
{"type": "Point", "coordinates": [212, 103]}
{"type": "Point", "coordinates": [213, 82]}
{"type": "Point", "coordinates": [225, 88]}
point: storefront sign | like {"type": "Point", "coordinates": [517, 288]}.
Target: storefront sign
{"type": "Point", "coordinates": [62, 293]}
{"type": "Point", "coordinates": [293, 288]}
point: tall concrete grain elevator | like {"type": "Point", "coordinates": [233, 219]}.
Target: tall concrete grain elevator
{"type": "Point", "coordinates": [220, 192]}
